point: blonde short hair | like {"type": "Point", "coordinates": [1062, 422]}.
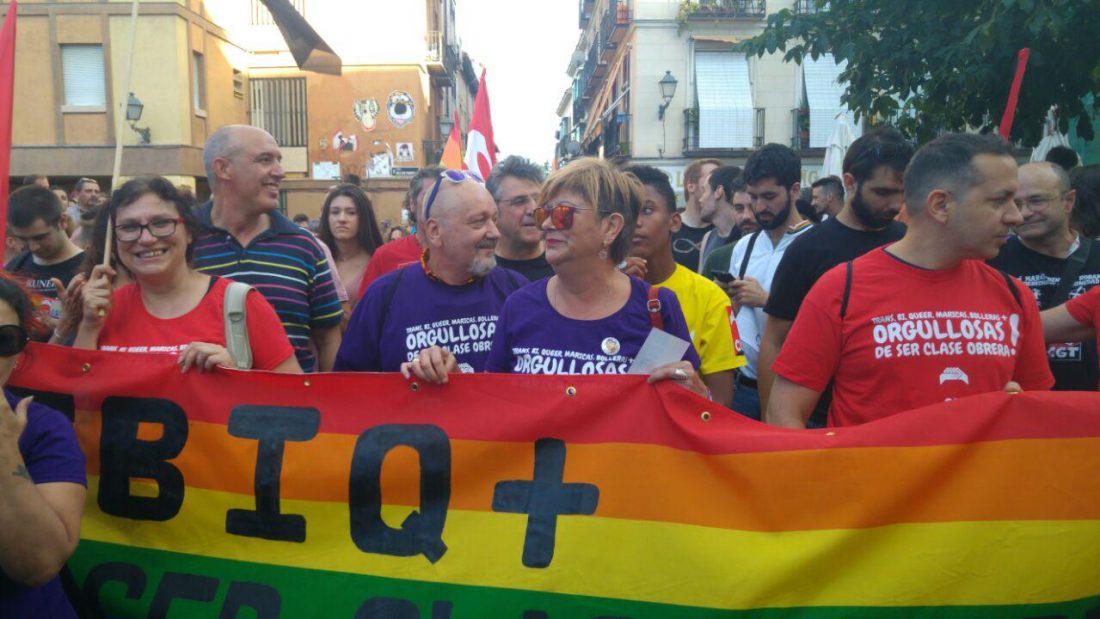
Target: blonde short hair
{"type": "Point", "coordinates": [608, 189]}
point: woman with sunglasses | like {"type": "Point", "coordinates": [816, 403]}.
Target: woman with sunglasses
{"type": "Point", "coordinates": [349, 229]}
{"type": "Point", "coordinates": [169, 307]}
{"type": "Point", "coordinates": [589, 317]}
{"type": "Point", "coordinates": [42, 485]}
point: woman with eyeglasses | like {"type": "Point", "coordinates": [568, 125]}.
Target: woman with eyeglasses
{"type": "Point", "coordinates": [589, 317]}
{"type": "Point", "coordinates": [42, 482]}
{"type": "Point", "coordinates": [169, 307]}
{"type": "Point", "coordinates": [350, 230]}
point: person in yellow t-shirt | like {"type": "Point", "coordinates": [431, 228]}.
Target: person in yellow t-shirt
{"type": "Point", "coordinates": [706, 307]}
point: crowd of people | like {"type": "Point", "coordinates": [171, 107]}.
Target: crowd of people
{"type": "Point", "coordinates": [920, 275]}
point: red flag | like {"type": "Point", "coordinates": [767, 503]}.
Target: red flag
{"type": "Point", "coordinates": [7, 87]}
{"type": "Point", "coordinates": [452, 152]}
{"type": "Point", "coordinates": [1014, 94]}
{"type": "Point", "coordinates": [481, 151]}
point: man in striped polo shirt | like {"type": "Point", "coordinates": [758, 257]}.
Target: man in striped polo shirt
{"type": "Point", "coordinates": [246, 239]}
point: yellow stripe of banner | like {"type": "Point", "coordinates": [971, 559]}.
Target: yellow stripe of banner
{"type": "Point", "coordinates": [601, 557]}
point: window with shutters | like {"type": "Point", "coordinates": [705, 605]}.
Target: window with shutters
{"type": "Point", "coordinates": [84, 82]}
{"type": "Point", "coordinates": [279, 107]}
{"type": "Point", "coordinates": [198, 83]}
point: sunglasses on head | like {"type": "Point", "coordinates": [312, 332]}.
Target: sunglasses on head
{"type": "Point", "coordinates": [13, 339]}
{"type": "Point", "coordinates": [560, 215]}
{"type": "Point", "coordinates": [455, 176]}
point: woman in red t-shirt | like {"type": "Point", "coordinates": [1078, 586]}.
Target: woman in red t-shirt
{"type": "Point", "coordinates": [170, 307]}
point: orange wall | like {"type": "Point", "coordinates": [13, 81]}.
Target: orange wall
{"type": "Point", "coordinates": [330, 103]}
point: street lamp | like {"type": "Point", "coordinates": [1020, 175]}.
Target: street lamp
{"type": "Point", "coordinates": [668, 90]}
{"type": "Point", "coordinates": [134, 108]}
{"type": "Point", "coordinates": [445, 126]}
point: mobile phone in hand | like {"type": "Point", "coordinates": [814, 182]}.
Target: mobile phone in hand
{"type": "Point", "coordinates": [723, 276]}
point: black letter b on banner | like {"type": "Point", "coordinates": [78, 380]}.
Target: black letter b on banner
{"type": "Point", "coordinates": [122, 456]}
{"type": "Point", "coordinates": [421, 532]}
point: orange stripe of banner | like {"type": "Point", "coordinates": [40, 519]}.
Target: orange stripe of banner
{"type": "Point", "coordinates": [759, 491]}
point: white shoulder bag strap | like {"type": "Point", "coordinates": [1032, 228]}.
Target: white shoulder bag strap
{"type": "Point", "coordinates": [236, 325]}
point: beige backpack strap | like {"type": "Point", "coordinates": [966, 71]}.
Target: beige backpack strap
{"type": "Point", "coordinates": [236, 325]}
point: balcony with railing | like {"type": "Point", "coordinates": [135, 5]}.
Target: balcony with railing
{"type": "Point", "coordinates": [692, 140]}
{"type": "Point", "coordinates": [724, 9]}
{"type": "Point", "coordinates": [616, 135]}
{"type": "Point", "coordinates": [433, 150]}
{"type": "Point", "coordinates": [613, 26]}
{"type": "Point", "coordinates": [585, 13]}
{"type": "Point", "coordinates": [809, 6]}
{"type": "Point", "coordinates": [441, 58]}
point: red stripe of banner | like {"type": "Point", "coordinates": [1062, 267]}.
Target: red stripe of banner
{"type": "Point", "coordinates": [675, 419]}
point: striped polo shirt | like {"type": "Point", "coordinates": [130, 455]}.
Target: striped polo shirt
{"type": "Point", "coordinates": [286, 264]}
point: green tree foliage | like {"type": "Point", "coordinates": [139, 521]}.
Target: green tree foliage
{"type": "Point", "coordinates": [951, 62]}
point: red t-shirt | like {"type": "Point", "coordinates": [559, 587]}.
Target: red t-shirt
{"type": "Point", "coordinates": [388, 257]}
{"type": "Point", "coordinates": [1085, 309]}
{"type": "Point", "coordinates": [130, 328]}
{"type": "Point", "coordinates": [913, 337]}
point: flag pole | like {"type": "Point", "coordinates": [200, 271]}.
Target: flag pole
{"type": "Point", "coordinates": [120, 120]}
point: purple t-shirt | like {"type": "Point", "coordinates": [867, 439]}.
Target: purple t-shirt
{"type": "Point", "coordinates": [533, 338]}
{"type": "Point", "coordinates": [405, 311]}
{"type": "Point", "coordinates": [51, 453]}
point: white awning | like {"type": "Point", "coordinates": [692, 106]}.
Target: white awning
{"type": "Point", "coordinates": [725, 100]}
{"type": "Point", "coordinates": [823, 92]}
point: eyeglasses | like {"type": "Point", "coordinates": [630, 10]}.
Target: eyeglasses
{"type": "Point", "coordinates": [158, 228]}
{"type": "Point", "coordinates": [519, 201]}
{"type": "Point", "coordinates": [455, 176]}
{"type": "Point", "coordinates": [1036, 202]}
{"type": "Point", "coordinates": [560, 215]}
{"type": "Point", "coordinates": [13, 339]}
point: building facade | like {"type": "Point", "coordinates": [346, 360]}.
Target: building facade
{"type": "Point", "coordinates": [725, 104]}
{"type": "Point", "coordinates": [199, 65]}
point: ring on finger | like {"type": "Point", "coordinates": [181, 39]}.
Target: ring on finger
{"type": "Point", "coordinates": [679, 374]}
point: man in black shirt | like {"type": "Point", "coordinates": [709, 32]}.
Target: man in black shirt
{"type": "Point", "coordinates": [50, 259]}
{"type": "Point", "coordinates": [873, 169]}
{"type": "Point", "coordinates": [1054, 261]}
{"type": "Point", "coordinates": [688, 240]}
{"type": "Point", "coordinates": [515, 183]}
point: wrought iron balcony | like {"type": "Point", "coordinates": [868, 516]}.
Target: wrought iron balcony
{"type": "Point", "coordinates": [585, 13]}
{"type": "Point", "coordinates": [809, 6]}
{"type": "Point", "coordinates": [442, 58]}
{"type": "Point", "coordinates": [616, 135]}
{"type": "Point", "coordinates": [691, 136]}
{"type": "Point", "coordinates": [727, 9]}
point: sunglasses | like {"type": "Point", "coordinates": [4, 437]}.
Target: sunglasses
{"type": "Point", "coordinates": [13, 339]}
{"type": "Point", "coordinates": [455, 176]}
{"type": "Point", "coordinates": [560, 215]}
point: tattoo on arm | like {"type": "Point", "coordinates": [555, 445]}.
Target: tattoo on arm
{"type": "Point", "coordinates": [21, 471]}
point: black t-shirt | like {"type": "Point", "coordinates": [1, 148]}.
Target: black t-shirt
{"type": "Point", "coordinates": [533, 269]}
{"type": "Point", "coordinates": [808, 258]}
{"type": "Point", "coordinates": [37, 277]}
{"type": "Point", "coordinates": [1073, 364]}
{"type": "Point", "coordinates": [686, 244]}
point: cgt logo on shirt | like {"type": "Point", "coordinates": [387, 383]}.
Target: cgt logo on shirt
{"type": "Point", "coordinates": [1066, 351]}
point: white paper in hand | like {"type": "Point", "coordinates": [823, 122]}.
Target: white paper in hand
{"type": "Point", "coordinates": [660, 347]}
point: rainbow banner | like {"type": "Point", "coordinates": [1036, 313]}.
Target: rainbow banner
{"type": "Point", "coordinates": [260, 495]}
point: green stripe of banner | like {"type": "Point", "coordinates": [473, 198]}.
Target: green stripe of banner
{"type": "Point", "coordinates": [314, 593]}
